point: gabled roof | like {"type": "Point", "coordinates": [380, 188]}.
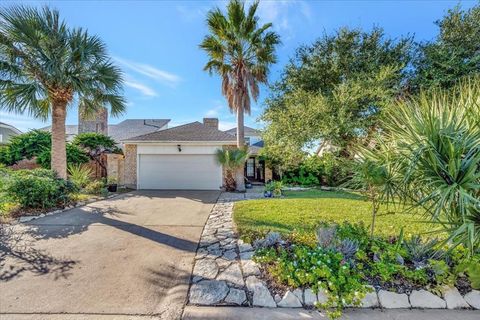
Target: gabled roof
{"type": "Point", "coordinates": [194, 131]}
{"type": "Point", "coordinates": [248, 131]}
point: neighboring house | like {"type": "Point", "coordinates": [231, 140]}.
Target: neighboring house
{"type": "Point", "coordinates": [255, 169]}
{"type": "Point", "coordinates": [181, 157]}
{"type": "Point", "coordinates": [6, 132]}
{"type": "Point", "coordinates": [124, 130]}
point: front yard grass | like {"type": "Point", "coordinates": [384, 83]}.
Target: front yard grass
{"type": "Point", "coordinates": [300, 212]}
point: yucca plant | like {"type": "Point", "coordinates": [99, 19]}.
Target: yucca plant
{"type": "Point", "coordinates": [436, 138]}
{"type": "Point", "coordinates": [80, 175]}
{"type": "Point", "coordinates": [232, 160]}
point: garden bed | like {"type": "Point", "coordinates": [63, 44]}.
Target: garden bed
{"type": "Point", "coordinates": [323, 252]}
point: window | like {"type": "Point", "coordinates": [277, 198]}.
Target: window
{"type": "Point", "coordinates": [247, 141]}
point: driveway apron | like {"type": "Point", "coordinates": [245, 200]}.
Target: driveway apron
{"type": "Point", "coordinates": [130, 255]}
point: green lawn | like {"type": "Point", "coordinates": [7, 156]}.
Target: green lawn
{"type": "Point", "coordinates": [302, 211]}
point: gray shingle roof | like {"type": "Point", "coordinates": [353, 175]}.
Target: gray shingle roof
{"type": "Point", "coordinates": [123, 130]}
{"type": "Point", "coordinates": [248, 131]}
{"type": "Point", "coordinates": [194, 131]}
{"type": "Point", "coordinates": [135, 127]}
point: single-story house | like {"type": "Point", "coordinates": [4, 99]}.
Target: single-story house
{"type": "Point", "coordinates": [181, 157]}
{"type": "Point", "coordinates": [6, 132]}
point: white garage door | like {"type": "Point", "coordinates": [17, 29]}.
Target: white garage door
{"type": "Point", "coordinates": [186, 171]}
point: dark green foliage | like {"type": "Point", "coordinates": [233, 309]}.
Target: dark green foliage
{"type": "Point", "coordinates": [329, 169]}
{"type": "Point", "coordinates": [96, 143]}
{"type": "Point", "coordinates": [38, 188]}
{"type": "Point", "coordinates": [335, 90]}
{"type": "Point", "coordinates": [37, 144]}
{"type": "Point", "coordinates": [25, 146]}
{"type": "Point", "coordinates": [454, 54]}
{"type": "Point", "coordinates": [75, 156]}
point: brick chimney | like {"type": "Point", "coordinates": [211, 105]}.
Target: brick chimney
{"type": "Point", "coordinates": [211, 122]}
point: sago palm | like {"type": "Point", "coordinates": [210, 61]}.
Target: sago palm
{"type": "Point", "coordinates": [232, 160]}
{"type": "Point", "coordinates": [45, 67]}
{"type": "Point", "coordinates": [241, 52]}
{"type": "Point", "coordinates": [437, 139]}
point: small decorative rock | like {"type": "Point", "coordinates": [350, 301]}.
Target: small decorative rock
{"type": "Point", "coordinates": [290, 300]}
{"type": "Point", "coordinates": [392, 300]}
{"type": "Point", "coordinates": [310, 297]}
{"type": "Point", "coordinates": [261, 295]}
{"type": "Point", "coordinates": [250, 268]}
{"type": "Point", "coordinates": [236, 296]}
{"type": "Point", "coordinates": [208, 292]}
{"type": "Point", "coordinates": [205, 268]}
{"type": "Point", "coordinates": [454, 299]}
{"type": "Point", "coordinates": [427, 300]}
{"type": "Point", "coordinates": [473, 299]}
{"type": "Point", "coordinates": [277, 298]}
{"type": "Point", "coordinates": [26, 218]}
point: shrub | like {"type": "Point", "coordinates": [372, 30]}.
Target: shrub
{"type": "Point", "coordinates": [80, 175]}
{"type": "Point", "coordinates": [346, 260]}
{"type": "Point", "coordinates": [38, 188]}
{"type": "Point", "coordinates": [95, 187]}
{"type": "Point", "coordinates": [37, 144]}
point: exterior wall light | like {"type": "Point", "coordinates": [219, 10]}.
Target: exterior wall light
{"type": "Point", "coordinates": [179, 148]}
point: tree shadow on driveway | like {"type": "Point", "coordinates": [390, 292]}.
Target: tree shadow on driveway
{"type": "Point", "coordinates": [18, 255]}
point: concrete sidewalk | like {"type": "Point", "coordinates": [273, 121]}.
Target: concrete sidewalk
{"type": "Point", "coordinates": [236, 313]}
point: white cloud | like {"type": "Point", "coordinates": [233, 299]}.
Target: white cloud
{"type": "Point", "coordinates": [280, 13]}
{"type": "Point", "coordinates": [143, 88]}
{"type": "Point", "coordinates": [150, 71]}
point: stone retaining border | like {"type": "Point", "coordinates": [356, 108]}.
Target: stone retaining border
{"type": "Point", "coordinates": [225, 274]}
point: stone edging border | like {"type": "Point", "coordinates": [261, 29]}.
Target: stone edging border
{"type": "Point", "coordinates": [225, 274]}
{"type": "Point", "coordinates": [23, 219]}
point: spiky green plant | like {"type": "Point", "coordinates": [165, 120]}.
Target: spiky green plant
{"type": "Point", "coordinates": [80, 175]}
{"type": "Point", "coordinates": [231, 159]}
{"type": "Point", "coordinates": [436, 138]}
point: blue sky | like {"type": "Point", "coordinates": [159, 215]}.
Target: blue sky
{"type": "Point", "coordinates": [156, 44]}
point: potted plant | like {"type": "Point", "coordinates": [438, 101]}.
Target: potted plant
{"type": "Point", "coordinates": [112, 184]}
{"type": "Point", "coordinates": [268, 193]}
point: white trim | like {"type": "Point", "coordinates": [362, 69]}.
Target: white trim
{"type": "Point", "coordinates": [8, 126]}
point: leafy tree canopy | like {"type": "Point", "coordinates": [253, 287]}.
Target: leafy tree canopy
{"type": "Point", "coordinates": [454, 54]}
{"type": "Point", "coordinates": [335, 90]}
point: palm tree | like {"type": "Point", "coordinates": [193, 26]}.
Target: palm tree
{"type": "Point", "coordinates": [240, 51]}
{"type": "Point", "coordinates": [231, 159]}
{"type": "Point", "coordinates": [46, 66]}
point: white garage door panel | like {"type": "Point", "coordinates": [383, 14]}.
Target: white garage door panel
{"type": "Point", "coordinates": [186, 171]}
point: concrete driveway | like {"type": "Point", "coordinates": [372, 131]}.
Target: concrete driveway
{"type": "Point", "coordinates": [131, 255]}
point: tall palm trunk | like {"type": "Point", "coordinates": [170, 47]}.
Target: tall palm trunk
{"type": "Point", "coordinates": [239, 173]}
{"type": "Point", "coordinates": [59, 152]}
